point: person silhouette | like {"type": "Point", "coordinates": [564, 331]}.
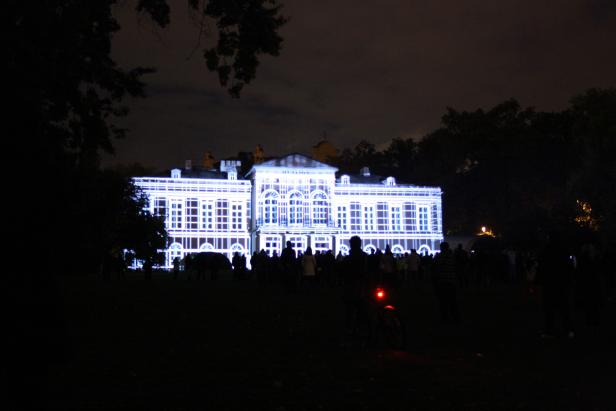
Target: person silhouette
{"type": "Point", "coordinates": [445, 281]}
{"type": "Point", "coordinates": [309, 269]}
{"type": "Point", "coordinates": [176, 267]}
{"type": "Point", "coordinates": [554, 274]}
{"type": "Point", "coordinates": [289, 272]}
{"type": "Point", "coordinates": [355, 268]}
{"type": "Point", "coordinates": [461, 262]}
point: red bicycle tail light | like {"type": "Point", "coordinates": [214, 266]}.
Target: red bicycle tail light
{"type": "Point", "coordinates": [380, 294]}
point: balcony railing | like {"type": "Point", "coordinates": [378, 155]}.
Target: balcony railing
{"type": "Point", "coordinates": [283, 222]}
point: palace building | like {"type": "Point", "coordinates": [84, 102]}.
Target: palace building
{"type": "Point", "coordinates": [293, 198]}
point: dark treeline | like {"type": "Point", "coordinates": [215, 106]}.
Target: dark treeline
{"type": "Point", "coordinates": [65, 95]}
{"type": "Point", "coordinates": [521, 172]}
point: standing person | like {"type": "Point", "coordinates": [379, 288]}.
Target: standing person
{"type": "Point", "coordinates": [235, 262]}
{"type": "Point", "coordinates": [402, 268]}
{"type": "Point", "coordinates": [329, 263]}
{"type": "Point", "coordinates": [243, 268]}
{"type": "Point", "coordinates": [309, 268]}
{"type": "Point", "coordinates": [554, 274]}
{"type": "Point", "coordinates": [412, 263]}
{"type": "Point", "coordinates": [354, 283]}
{"type": "Point", "coordinates": [263, 265]}
{"type": "Point", "coordinates": [274, 267]}
{"type": "Point", "coordinates": [289, 274]}
{"type": "Point", "coordinates": [254, 267]}
{"type": "Point", "coordinates": [176, 267]}
{"type": "Point", "coordinates": [461, 260]}
{"type": "Point", "coordinates": [425, 266]}
{"type": "Point", "coordinates": [339, 268]}
{"type": "Point", "coordinates": [318, 257]}
{"type": "Point", "coordinates": [387, 267]}
{"type": "Point", "coordinates": [589, 282]}
{"type": "Point", "coordinates": [373, 261]}
{"type": "Point", "coordinates": [445, 284]}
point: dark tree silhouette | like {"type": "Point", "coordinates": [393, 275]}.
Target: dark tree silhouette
{"type": "Point", "coordinates": [519, 171]}
{"type": "Point", "coordinates": [65, 94]}
{"type": "Point", "coordinates": [593, 181]}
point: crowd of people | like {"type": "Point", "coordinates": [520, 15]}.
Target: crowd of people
{"type": "Point", "coordinates": [562, 276]}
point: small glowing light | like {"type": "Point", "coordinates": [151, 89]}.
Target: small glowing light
{"type": "Point", "coordinates": [380, 293]}
{"type": "Point", "coordinates": [390, 307]}
{"type": "Point", "coordinates": [585, 217]}
{"type": "Point", "coordinates": [486, 231]}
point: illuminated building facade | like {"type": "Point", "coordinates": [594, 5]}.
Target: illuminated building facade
{"type": "Point", "coordinates": [293, 198]}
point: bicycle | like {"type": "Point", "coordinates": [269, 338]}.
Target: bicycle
{"type": "Point", "coordinates": [379, 322]}
{"type": "Point", "coordinates": [389, 328]}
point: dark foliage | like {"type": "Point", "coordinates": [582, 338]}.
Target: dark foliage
{"type": "Point", "coordinates": [65, 93]}
{"type": "Point", "coordinates": [519, 171]}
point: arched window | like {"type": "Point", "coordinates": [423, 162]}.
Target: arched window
{"type": "Point", "coordinates": [206, 247]}
{"type": "Point", "coordinates": [424, 249]}
{"type": "Point", "coordinates": [369, 249]}
{"type": "Point", "coordinates": [344, 249]}
{"type": "Point", "coordinates": [235, 248]}
{"type": "Point", "coordinates": [270, 207]}
{"type": "Point", "coordinates": [296, 208]}
{"type": "Point", "coordinates": [175, 251]}
{"type": "Point", "coordinates": [397, 250]}
{"type": "Point", "coordinates": [320, 208]}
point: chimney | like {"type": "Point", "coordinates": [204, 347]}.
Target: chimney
{"type": "Point", "coordinates": [229, 165]}
{"type": "Point", "coordinates": [365, 172]}
{"type": "Point", "coordinates": [188, 165]}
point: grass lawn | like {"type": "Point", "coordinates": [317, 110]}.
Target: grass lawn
{"type": "Point", "coordinates": [203, 345]}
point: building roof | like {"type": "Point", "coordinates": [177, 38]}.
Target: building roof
{"type": "Point", "coordinates": [295, 160]}
{"type": "Point", "coordinates": [196, 172]}
{"type": "Point", "coordinates": [360, 179]}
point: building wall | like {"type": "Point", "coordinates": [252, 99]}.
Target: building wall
{"type": "Point", "coordinates": [403, 217]}
{"type": "Point", "coordinates": [201, 214]}
{"type": "Point", "coordinates": [306, 206]}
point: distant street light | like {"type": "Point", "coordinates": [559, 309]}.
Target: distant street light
{"type": "Point", "coordinates": [486, 231]}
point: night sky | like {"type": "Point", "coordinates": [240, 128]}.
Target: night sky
{"type": "Point", "coordinates": [372, 70]}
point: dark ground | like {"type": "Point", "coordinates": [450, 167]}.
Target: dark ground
{"type": "Point", "coordinates": [203, 345]}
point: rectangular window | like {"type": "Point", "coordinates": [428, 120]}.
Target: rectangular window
{"type": "Point", "coordinates": [319, 209]}
{"type": "Point", "coordinates": [160, 207]}
{"type": "Point", "coordinates": [355, 217]}
{"type": "Point", "coordinates": [271, 245]}
{"type": "Point", "coordinates": [369, 218]}
{"type": "Point", "coordinates": [435, 219]}
{"type": "Point", "coordinates": [192, 214]}
{"type": "Point", "coordinates": [207, 215]}
{"type": "Point", "coordinates": [298, 243]}
{"type": "Point", "coordinates": [222, 215]}
{"type": "Point", "coordinates": [410, 216]}
{"type": "Point", "coordinates": [175, 220]}
{"type": "Point", "coordinates": [396, 219]}
{"type": "Point", "coordinates": [236, 216]}
{"type": "Point", "coordinates": [321, 244]}
{"type": "Point", "coordinates": [423, 219]}
{"type": "Point", "coordinates": [382, 220]}
{"type": "Point", "coordinates": [342, 217]}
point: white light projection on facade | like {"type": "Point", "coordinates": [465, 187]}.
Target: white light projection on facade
{"type": "Point", "coordinates": [292, 198]}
